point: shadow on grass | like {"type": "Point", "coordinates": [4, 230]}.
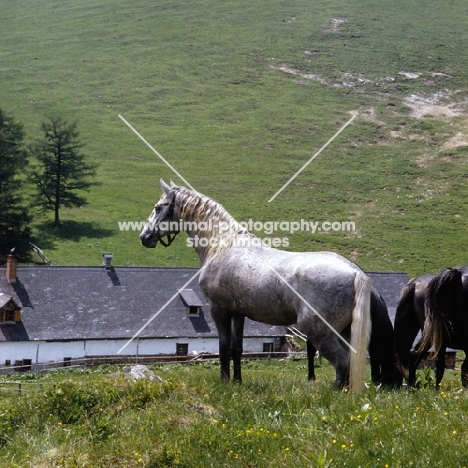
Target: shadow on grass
{"type": "Point", "coordinates": [46, 234]}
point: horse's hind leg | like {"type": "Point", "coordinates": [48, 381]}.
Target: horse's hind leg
{"type": "Point", "coordinates": [331, 348]}
{"type": "Point", "coordinates": [311, 350]}
{"type": "Point", "coordinates": [439, 368]}
{"type": "Point", "coordinates": [237, 348]}
{"type": "Point", "coordinates": [415, 359]}
{"type": "Point", "coordinates": [374, 357]}
{"type": "Point", "coordinates": [464, 371]}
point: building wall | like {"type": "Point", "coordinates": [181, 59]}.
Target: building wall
{"type": "Point", "coordinates": [40, 352]}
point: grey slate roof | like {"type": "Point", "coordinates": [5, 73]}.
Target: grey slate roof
{"type": "Point", "coordinates": [389, 285]}
{"type": "Point", "coordinates": [70, 303]}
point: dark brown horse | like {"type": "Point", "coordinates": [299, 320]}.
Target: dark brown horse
{"type": "Point", "coordinates": [381, 347]}
{"type": "Point", "coordinates": [435, 305]}
{"type": "Point", "coordinates": [382, 354]}
{"type": "Point", "coordinates": [446, 322]}
{"type": "Point", "coordinates": [409, 321]}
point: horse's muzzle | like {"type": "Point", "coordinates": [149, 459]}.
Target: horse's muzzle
{"type": "Point", "coordinates": [149, 240]}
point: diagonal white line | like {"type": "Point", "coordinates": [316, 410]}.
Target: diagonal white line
{"type": "Point", "coordinates": [154, 151]}
{"type": "Point", "coordinates": [160, 310]}
{"type": "Point", "coordinates": [312, 309]}
{"type": "Point", "coordinates": [312, 158]}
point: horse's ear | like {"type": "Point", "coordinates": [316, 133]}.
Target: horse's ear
{"type": "Point", "coordinates": [164, 186]}
{"type": "Point", "coordinates": [172, 184]}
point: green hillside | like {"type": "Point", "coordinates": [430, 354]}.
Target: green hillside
{"type": "Point", "coordinates": [237, 96]}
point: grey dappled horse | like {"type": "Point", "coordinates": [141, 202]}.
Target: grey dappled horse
{"type": "Point", "coordinates": [325, 294]}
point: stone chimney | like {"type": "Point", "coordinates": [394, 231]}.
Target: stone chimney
{"type": "Point", "coordinates": [107, 260]}
{"type": "Point", "coordinates": [11, 265]}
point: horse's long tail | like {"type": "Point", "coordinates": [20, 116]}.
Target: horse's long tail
{"type": "Point", "coordinates": [360, 332]}
{"type": "Point", "coordinates": [442, 291]}
{"type": "Point", "coordinates": [406, 326]}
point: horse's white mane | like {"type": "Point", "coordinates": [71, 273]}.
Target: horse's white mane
{"type": "Point", "coordinates": [199, 208]}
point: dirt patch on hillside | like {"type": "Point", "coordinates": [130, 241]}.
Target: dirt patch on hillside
{"type": "Point", "coordinates": [435, 105]}
{"type": "Point", "coordinates": [335, 24]}
{"type": "Point", "coordinates": [439, 104]}
{"type": "Point", "coordinates": [367, 114]}
{"type": "Point", "coordinates": [348, 80]}
{"type": "Point", "coordinates": [292, 71]}
{"type": "Point", "coordinates": [410, 75]}
{"type": "Point", "coordinates": [460, 139]}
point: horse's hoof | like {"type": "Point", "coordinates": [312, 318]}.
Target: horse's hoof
{"type": "Point", "coordinates": [340, 384]}
{"type": "Point", "coordinates": [464, 378]}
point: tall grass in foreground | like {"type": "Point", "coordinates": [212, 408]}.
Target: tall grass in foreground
{"type": "Point", "coordinates": [274, 419]}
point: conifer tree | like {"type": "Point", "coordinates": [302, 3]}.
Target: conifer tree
{"type": "Point", "coordinates": [62, 171]}
{"type": "Point", "coordinates": [14, 214]}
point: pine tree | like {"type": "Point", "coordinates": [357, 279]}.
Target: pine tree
{"type": "Point", "coordinates": [14, 215]}
{"type": "Point", "coordinates": [62, 170]}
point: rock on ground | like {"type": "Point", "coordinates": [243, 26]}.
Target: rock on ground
{"type": "Point", "coordinates": [139, 371]}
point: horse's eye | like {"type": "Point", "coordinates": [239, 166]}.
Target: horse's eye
{"type": "Point", "coordinates": [157, 208]}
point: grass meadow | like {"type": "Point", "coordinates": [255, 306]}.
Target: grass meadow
{"type": "Point", "coordinates": [275, 418]}
{"type": "Point", "coordinates": [237, 96]}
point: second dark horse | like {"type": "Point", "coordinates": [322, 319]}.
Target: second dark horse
{"type": "Point", "coordinates": [438, 306]}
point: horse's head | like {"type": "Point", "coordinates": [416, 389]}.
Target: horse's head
{"type": "Point", "coordinates": [159, 224]}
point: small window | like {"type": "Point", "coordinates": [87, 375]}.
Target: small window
{"type": "Point", "coordinates": [9, 316]}
{"type": "Point", "coordinates": [194, 310]}
{"type": "Point", "coordinates": [10, 311]}
{"type": "Point", "coordinates": [181, 349]}
{"type": "Point", "coordinates": [191, 301]}
{"type": "Point", "coordinates": [27, 363]}
{"type": "Point", "coordinates": [267, 347]}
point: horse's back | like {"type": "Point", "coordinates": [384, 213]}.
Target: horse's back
{"type": "Point", "coordinates": [274, 286]}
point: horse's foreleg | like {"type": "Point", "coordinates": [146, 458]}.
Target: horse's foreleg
{"type": "Point", "coordinates": [223, 325]}
{"type": "Point", "coordinates": [237, 348]}
{"type": "Point", "coordinates": [311, 350]}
